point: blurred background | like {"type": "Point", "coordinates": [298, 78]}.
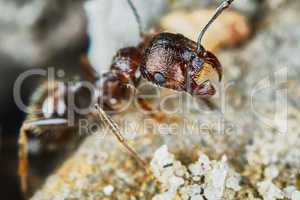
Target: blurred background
{"type": "Point", "coordinates": [55, 33]}
{"type": "Point", "coordinates": [33, 34]}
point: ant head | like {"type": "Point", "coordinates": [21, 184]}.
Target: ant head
{"type": "Point", "coordinates": [172, 61]}
{"type": "Point", "coordinates": [178, 63]}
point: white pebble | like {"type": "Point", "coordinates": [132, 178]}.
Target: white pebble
{"type": "Point", "coordinates": [295, 195]}
{"type": "Point", "coordinates": [271, 172]}
{"type": "Point", "coordinates": [288, 191]}
{"type": "Point", "coordinates": [197, 197]}
{"type": "Point", "coordinates": [177, 181]}
{"type": "Point", "coordinates": [233, 183]}
{"type": "Point", "coordinates": [269, 191]}
{"type": "Point", "coordinates": [108, 190]}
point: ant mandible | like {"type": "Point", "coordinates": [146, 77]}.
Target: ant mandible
{"type": "Point", "coordinates": [165, 59]}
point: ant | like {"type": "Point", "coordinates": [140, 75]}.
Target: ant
{"type": "Point", "coordinates": [165, 59]}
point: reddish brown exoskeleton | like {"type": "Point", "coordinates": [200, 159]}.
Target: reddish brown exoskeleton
{"type": "Point", "coordinates": [165, 59]}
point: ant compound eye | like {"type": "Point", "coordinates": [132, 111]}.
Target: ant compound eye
{"type": "Point", "coordinates": [159, 78]}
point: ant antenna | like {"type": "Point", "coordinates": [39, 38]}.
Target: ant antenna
{"type": "Point", "coordinates": [137, 17]}
{"type": "Point", "coordinates": [117, 133]}
{"type": "Point", "coordinates": [220, 9]}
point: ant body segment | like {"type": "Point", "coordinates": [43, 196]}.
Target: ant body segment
{"type": "Point", "coordinates": [165, 59]}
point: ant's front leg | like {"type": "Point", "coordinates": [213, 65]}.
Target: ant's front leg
{"type": "Point", "coordinates": [146, 106]}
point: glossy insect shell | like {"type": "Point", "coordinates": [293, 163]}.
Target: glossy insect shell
{"type": "Point", "coordinates": [127, 61]}
{"type": "Point", "coordinates": [172, 61]}
{"type": "Point", "coordinates": [115, 85]}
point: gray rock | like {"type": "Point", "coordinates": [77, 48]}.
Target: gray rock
{"type": "Point", "coordinates": [111, 26]}
{"type": "Point", "coordinates": [33, 31]}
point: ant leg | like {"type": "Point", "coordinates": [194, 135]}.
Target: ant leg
{"type": "Point", "coordinates": [145, 105]}
{"type": "Point", "coordinates": [22, 142]}
{"type": "Point", "coordinates": [117, 133]}
{"type": "Point", "coordinates": [158, 116]}
{"type": "Point", "coordinates": [22, 166]}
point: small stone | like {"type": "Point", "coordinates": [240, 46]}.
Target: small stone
{"type": "Point", "coordinates": [108, 190]}
{"type": "Point", "coordinates": [269, 191]}
{"type": "Point", "coordinates": [216, 175]}
{"type": "Point", "coordinates": [295, 195]}
{"type": "Point", "coordinates": [175, 182]}
{"type": "Point", "coordinates": [288, 191]}
{"type": "Point", "coordinates": [201, 166]}
{"type": "Point", "coordinates": [211, 193]}
{"type": "Point", "coordinates": [233, 183]}
{"type": "Point", "coordinates": [197, 197]}
{"type": "Point", "coordinates": [271, 172]}
{"type": "Point", "coordinates": [190, 191]}
{"type": "Point", "coordinates": [165, 196]}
